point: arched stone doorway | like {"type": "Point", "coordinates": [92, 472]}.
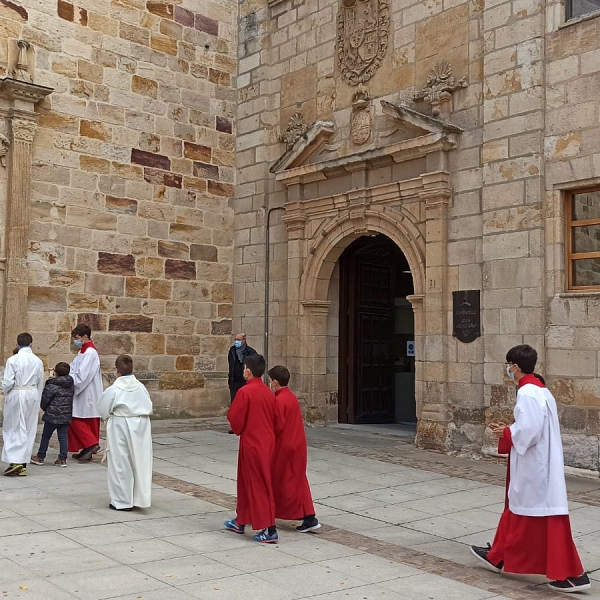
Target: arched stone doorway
{"type": "Point", "coordinates": [376, 334]}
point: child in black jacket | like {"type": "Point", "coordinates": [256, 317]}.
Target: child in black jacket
{"type": "Point", "coordinates": [57, 402]}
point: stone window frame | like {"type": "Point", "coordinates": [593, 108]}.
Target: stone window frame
{"type": "Point", "coordinates": [570, 224]}
{"type": "Point", "coordinates": [569, 16]}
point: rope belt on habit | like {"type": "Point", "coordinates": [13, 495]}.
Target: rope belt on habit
{"type": "Point", "coordinates": [24, 387]}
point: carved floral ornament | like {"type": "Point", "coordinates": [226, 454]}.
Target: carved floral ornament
{"type": "Point", "coordinates": [295, 129]}
{"type": "Point", "coordinates": [363, 32]}
{"type": "Point", "coordinates": [440, 82]}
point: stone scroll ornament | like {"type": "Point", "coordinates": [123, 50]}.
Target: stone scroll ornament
{"type": "Point", "coordinates": [295, 129]}
{"type": "Point", "coordinates": [439, 85]}
{"type": "Point", "coordinates": [363, 33]}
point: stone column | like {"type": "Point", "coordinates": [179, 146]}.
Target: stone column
{"type": "Point", "coordinates": [435, 411]}
{"type": "Point", "coordinates": [19, 98]}
{"type": "Point", "coordinates": [17, 229]}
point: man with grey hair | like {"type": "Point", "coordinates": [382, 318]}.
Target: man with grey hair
{"type": "Point", "coordinates": [236, 357]}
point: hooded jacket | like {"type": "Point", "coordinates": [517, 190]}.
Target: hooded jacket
{"type": "Point", "coordinates": [57, 400]}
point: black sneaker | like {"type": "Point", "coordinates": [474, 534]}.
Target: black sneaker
{"type": "Point", "coordinates": [113, 507]}
{"type": "Point", "coordinates": [308, 525]}
{"type": "Point", "coordinates": [572, 584]}
{"type": "Point", "coordinates": [86, 453]}
{"type": "Point", "coordinates": [481, 553]}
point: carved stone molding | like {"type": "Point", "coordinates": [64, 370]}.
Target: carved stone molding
{"type": "Point", "coordinates": [363, 33]}
{"type": "Point", "coordinates": [295, 224]}
{"type": "Point", "coordinates": [23, 129]}
{"type": "Point", "coordinates": [361, 121]}
{"type": "Point", "coordinates": [21, 70]}
{"type": "Point", "coordinates": [440, 84]}
{"type": "Point", "coordinates": [4, 146]}
{"type": "Point", "coordinates": [295, 129]}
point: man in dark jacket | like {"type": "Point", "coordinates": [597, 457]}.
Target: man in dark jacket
{"type": "Point", "coordinates": [236, 357]}
{"type": "Point", "coordinates": [57, 402]}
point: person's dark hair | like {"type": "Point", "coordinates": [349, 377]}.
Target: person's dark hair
{"type": "Point", "coordinates": [16, 350]}
{"type": "Point", "coordinates": [62, 368]}
{"type": "Point", "coordinates": [124, 364]}
{"type": "Point", "coordinates": [82, 329]}
{"type": "Point", "coordinates": [256, 363]}
{"type": "Point", "coordinates": [540, 378]}
{"type": "Point", "coordinates": [24, 339]}
{"type": "Point", "coordinates": [280, 374]}
{"type": "Point", "coordinates": [524, 356]}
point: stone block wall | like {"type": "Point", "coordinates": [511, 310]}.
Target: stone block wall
{"type": "Point", "coordinates": [572, 157]}
{"type": "Point", "coordinates": [133, 176]}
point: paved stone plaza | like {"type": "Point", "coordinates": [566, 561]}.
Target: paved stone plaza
{"type": "Point", "coordinates": [397, 523]}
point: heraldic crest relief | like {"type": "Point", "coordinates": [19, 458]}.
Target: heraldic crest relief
{"type": "Point", "coordinates": [363, 32]}
{"type": "Point", "coordinates": [361, 121]}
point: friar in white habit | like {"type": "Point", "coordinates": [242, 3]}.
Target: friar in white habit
{"type": "Point", "coordinates": [127, 407]}
{"type": "Point", "coordinates": [22, 384]}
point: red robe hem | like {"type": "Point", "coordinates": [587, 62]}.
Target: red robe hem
{"type": "Point", "coordinates": [83, 433]}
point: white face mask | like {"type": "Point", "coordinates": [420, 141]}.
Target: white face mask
{"type": "Point", "coordinates": [509, 372]}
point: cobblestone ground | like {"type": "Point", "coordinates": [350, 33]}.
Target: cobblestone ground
{"type": "Point", "coordinates": [397, 523]}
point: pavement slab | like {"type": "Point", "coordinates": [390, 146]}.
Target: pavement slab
{"type": "Point", "coordinates": [397, 525]}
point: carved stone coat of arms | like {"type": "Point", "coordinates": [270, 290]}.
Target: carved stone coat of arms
{"type": "Point", "coordinates": [363, 32]}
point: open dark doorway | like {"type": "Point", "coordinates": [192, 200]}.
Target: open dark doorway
{"type": "Point", "coordinates": [376, 362]}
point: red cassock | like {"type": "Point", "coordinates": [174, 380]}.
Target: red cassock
{"type": "Point", "coordinates": [83, 433]}
{"type": "Point", "coordinates": [533, 545]}
{"type": "Point", "coordinates": [293, 499]}
{"type": "Point", "coordinates": [252, 416]}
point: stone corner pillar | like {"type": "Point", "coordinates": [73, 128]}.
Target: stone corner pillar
{"type": "Point", "coordinates": [19, 98]}
{"type": "Point", "coordinates": [434, 411]}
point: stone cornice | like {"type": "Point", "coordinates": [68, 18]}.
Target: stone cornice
{"type": "Point", "coordinates": [15, 89]}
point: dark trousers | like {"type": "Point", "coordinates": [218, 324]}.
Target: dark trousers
{"type": "Point", "coordinates": [61, 430]}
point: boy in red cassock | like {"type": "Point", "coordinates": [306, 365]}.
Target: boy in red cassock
{"type": "Point", "coordinates": [293, 499]}
{"type": "Point", "coordinates": [253, 417]}
{"type": "Point", "coordinates": [534, 533]}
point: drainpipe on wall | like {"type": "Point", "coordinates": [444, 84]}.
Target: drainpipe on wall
{"type": "Point", "coordinates": [267, 264]}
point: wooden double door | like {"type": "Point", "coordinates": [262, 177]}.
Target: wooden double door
{"type": "Point", "coordinates": [373, 272]}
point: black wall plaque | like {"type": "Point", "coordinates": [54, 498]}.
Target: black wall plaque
{"type": "Point", "coordinates": [466, 315]}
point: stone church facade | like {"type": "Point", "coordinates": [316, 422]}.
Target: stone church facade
{"type": "Point", "coordinates": [407, 151]}
{"type": "Point", "coordinates": [384, 195]}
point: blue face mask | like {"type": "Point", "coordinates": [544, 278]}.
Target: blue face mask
{"type": "Point", "coordinates": [78, 343]}
{"type": "Point", "coordinates": [510, 374]}
{"type": "Point", "coordinates": [237, 344]}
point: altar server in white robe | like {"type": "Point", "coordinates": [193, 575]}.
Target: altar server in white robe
{"type": "Point", "coordinates": [84, 430]}
{"type": "Point", "coordinates": [22, 384]}
{"type": "Point", "coordinates": [127, 406]}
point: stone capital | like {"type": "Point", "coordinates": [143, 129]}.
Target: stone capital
{"type": "Point", "coordinates": [23, 129]}
{"type": "Point", "coordinates": [295, 223]}
{"type": "Point", "coordinates": [316, 307]}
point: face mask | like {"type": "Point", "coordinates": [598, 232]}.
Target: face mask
{"type": "Point", "coordinates": [78, 343]}
{"type": "Point", "coordinates": [237, 344]}
{"type": "Point", "coordinates": [509, 372]}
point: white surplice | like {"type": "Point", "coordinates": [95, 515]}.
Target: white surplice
{"type": "Point", "coordinates": [537, 476]}
{"type": "Point", "coordinates": [127, 406]}
{"type": "Point", "coordinates": [87, 377]}
{"type": "Point", "coordinates": [22, 384]}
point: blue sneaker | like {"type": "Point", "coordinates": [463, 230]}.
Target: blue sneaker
{"type": "Point", "coordinates": [233, 526]}
{"type": "Point", "coordinates": [265, 537]}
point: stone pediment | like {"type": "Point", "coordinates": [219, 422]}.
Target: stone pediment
{"type": "Point", "coordinates": [421, 135]}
